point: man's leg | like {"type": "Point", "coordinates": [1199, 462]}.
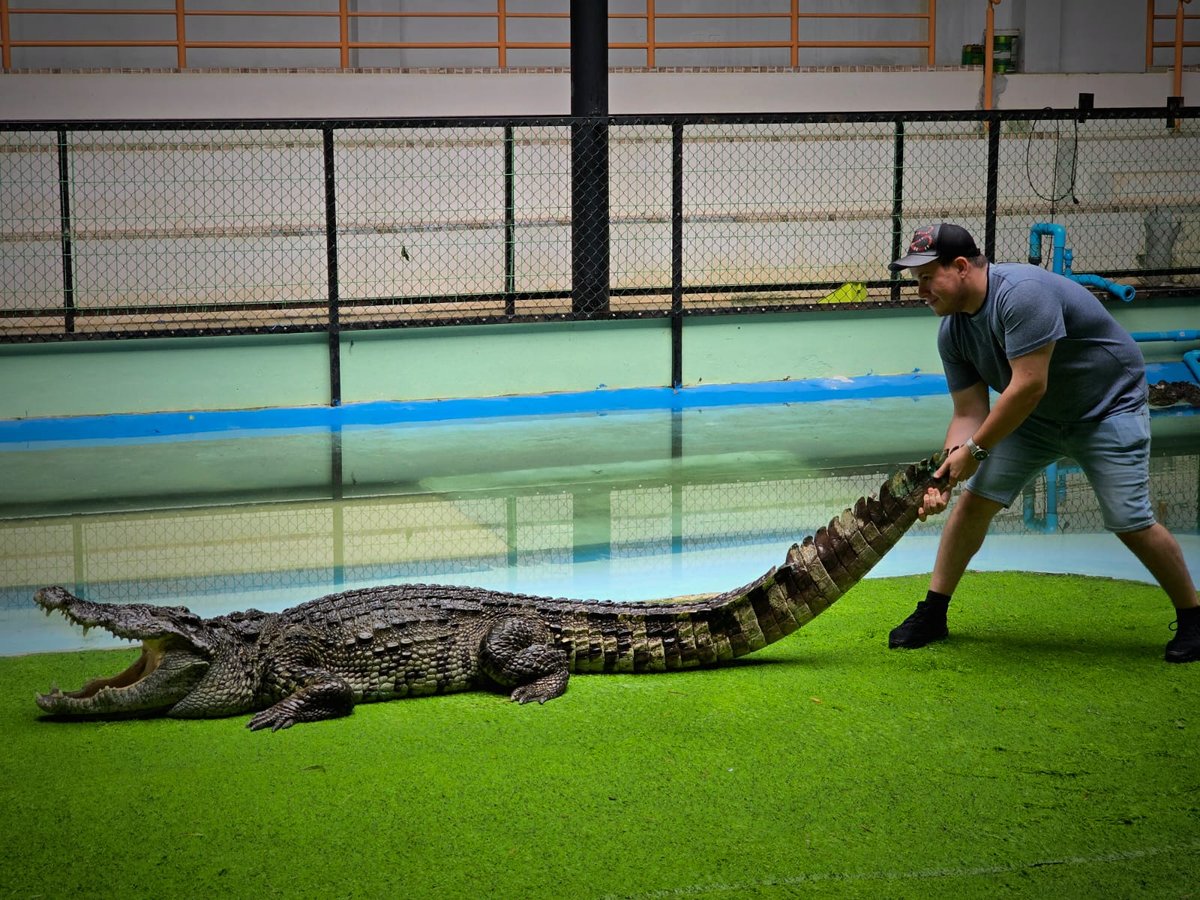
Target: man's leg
{"type": "Point", "coordinates": [961, 539]}
{"type": "Point", "coordinates": [1159, 552]}
{"type": "Point", "coordinates": [1115, 455]}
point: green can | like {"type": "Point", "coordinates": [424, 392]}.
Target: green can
{"type": "Point", "coordinates": [1004, 51]}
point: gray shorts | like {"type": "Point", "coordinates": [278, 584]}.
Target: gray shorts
{"type": "Point", "coordinates": [1114, 454]}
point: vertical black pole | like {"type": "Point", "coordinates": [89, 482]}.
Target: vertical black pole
{"type": "Point", "coordinates": [897, 204]}
{"type": "Point", "coordinates": [1173, 106]}
{"type": "Point", "coordinates": [331, 262]}
{"type": "Point", "coordinates": [68, 249]}
{"type": "Point", "coordinates": [336, 482]}
{"type": "Point", "coordinates": [589, 157]}
{"type": "Point", "coordinates": [677, 255]}
{"type": "Point", "coordinates": [993, 186]}
{"type": "Point", "coordinates": [510, 226]}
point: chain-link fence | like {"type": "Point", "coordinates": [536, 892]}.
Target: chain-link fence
{"type": "Point", "coordinates": [181, 228]}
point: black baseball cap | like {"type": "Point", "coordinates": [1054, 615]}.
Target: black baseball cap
{"type": "Point", "coordinates": [943, 241]}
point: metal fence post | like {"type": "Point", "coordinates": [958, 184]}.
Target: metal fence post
{"type": "Point", "coordinates": [897, 204]}
{"type": "Point", "coordinates": [510, 226]}
{"type": "Point", "coordinates": [991, 206]}
{"type": "Point", "coordinates": [331, 262]}
{"type": "Point", "coordinates": [65, 228]}
{"type": "Point", "coordinates": [589, 157]}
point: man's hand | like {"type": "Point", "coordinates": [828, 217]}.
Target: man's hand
{"type": "Point", "coordinates": [934, 502]}
{"type": "Point", "coordinates": [958, 467]}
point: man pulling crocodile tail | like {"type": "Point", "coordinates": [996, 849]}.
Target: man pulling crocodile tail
{"type": "Point", "coordinates": [1071, 382]}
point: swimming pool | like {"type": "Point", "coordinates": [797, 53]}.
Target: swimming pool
{"type": "Point", "coordinates": [627, 504]}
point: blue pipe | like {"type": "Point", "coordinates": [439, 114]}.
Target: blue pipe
{"type": "Point", "coordinates": [1191, 359]}
{"type": "Point", "coordinates": [1124, 292]}
{"type": "Point", "coordinates": [1058, 244]}
{"type": "Point", "coordinates": [1165, 336]}
{"type": "Point", "coordinates": [1056, 493]}
{"type": "Point", "coordinates": [1060, 262]}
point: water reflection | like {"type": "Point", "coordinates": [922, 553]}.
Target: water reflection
{"type": "Point", "coordinates": [628, 506]}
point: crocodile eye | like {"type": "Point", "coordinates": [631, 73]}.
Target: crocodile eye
{"type": "Point", "coordinates": [185, 615]}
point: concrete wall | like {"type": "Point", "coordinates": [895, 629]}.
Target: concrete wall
{"type": "Point", "coordinates": [302, 95]}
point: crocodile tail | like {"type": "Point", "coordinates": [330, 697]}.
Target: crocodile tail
{"type": "Point", "coordinates": [819, 569]}
{"type": "Point", "coordinates": [655, 637]}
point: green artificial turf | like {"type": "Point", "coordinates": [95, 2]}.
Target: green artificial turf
{"type": "Point", "coordinates": [1045, 750]}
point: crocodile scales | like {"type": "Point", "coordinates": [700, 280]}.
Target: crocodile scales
{"type": "Point", "coordinates": [317, 660]}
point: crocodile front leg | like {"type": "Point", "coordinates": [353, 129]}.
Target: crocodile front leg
{"type": "Point", "coordinates": [517, 654]}
{"type": "Point", "coordinates": [323, 696]}
{"type": "Point", "coordinates": [298, 672]}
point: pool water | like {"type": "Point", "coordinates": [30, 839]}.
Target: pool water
{"type": "Point", "coordinates": [623, 505]}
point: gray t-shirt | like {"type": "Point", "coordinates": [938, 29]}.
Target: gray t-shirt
{"type": "Point", "coordinates": [1096, 370]}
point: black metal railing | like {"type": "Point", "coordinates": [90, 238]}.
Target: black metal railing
{"type": "Point", "coordinates": [175, 228]}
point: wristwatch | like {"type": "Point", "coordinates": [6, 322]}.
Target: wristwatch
{"type": "Point", "coordinates": [976, 451]}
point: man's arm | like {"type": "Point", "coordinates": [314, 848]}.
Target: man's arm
{"type": "Point", "coordinates": [1030, 377]}
{"type": "Point", "coordinates": [971, 407]}
{"type": "Point", "coordinates": [988, 426]}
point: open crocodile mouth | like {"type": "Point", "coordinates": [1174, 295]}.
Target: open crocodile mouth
{"type": "Point", "coordinates": [151, 657]}
{"type": "Point", "coordinates": [163, 673]}
{"type": "Point", "coordinates": [172, 661]}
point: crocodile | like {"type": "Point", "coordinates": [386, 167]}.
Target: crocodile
{"type": "Point", "coordinates": [317, 660]}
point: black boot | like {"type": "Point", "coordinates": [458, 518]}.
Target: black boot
{"type": "Point", "coordinates": [926, 625]}
{"type": "Point", "coordinates": [1185, 646]}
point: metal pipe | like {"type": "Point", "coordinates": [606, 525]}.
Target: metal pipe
{"type": "Point", "coordinates": [989, 38]}
{"type": "Point", "coordinates": [344, 34]}
{"type": "Point", "coordinates": [650, 36]}
{"type": "Point", "coordinates": [501, 34]}
{"type": "Point", "coordinates": [181, 34]}
{"type": "Point", "coordinates": [1178, 82]}
{"type": "Point", "coordinates": [1149, 35]}
{"type": "Point", "coordinates": [931, 33]}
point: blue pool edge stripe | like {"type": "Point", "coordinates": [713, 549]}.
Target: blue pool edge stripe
{"type": "Point", "coordinates": [231, 423]}
{"type": "Point", "coordinates": [382, 413]}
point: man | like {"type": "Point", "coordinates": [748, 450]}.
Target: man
{"type": "Point", "coordinates": [1071, 382]}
